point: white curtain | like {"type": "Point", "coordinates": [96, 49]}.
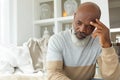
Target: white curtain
{"type": "Point", "coordinates": [5, 22]}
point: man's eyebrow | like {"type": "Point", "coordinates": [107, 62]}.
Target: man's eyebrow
{"type": "Point", "coordinates": [83, 23]}
{"type": "Point", "coordinates": [86, 24]}
{"type": "Point", "coordinates": [80, 21]}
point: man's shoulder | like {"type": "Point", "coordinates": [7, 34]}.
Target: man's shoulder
{"type": "Point", "coordinates": [60, 35]}
{"type": "Point", "coordinates": [57, 40]}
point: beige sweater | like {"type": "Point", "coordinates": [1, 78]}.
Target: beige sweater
{"type": "Point", "coordinates": [65, 62]}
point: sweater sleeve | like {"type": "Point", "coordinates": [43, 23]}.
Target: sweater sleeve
{"type": "Point", "coordinates": [55, 71]}
{"type": "Point", "coordinates": [54, 64]}
{"type": "Point", "coordinates": [109, 64]}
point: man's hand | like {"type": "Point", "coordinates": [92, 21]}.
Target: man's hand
{"type": "Point", "coordinates": [102, 32]}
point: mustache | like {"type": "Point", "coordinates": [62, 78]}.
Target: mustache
{"type": "Point", "coordinates": [80, 33]}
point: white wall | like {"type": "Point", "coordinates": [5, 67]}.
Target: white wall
{"type": "Point", "coordinates": [24, 21]}
{"type": "Point", "coordinates": [5, 22]}
{"type": "Point", "coordinates": [21, 21]}
{"type": "Point", "coordinates": [13, 22]}
{"type": "Point", "coordinates": [17, 22]}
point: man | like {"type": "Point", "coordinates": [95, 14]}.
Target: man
{"type": "Point", "coordinates": [72, 54]}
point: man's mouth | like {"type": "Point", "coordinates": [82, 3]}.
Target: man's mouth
{"type": "Point", "coordinates": [80, 35]}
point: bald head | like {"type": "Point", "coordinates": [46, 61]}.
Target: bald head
{"type": "Point", "coordinates": [89, 10]}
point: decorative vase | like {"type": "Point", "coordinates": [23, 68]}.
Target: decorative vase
{"type": "Point", "coordinates": [70, 6]}
{"type": "Point", "coordinates": [45, 11]}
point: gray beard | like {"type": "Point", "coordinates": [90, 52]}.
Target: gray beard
{"type": "Point", "coordinates": [79, 42]}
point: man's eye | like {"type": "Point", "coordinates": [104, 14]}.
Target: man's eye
{"type": "Point", "coordinates": [79, 23]}
{"type": "Point", "coordinates": [90, 27]}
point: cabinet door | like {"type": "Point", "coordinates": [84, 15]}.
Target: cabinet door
{"type": "Point", "coordinates": [114, 10]}
{"type": "Point", "coordinates": [43, 17]}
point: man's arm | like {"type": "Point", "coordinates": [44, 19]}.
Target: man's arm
{"type": "Point", "coordinates": [55, 71]}
{"type": "Point", "coordinates": [54, 64]}
{"type": "Point", "coordinates": [109, 64]}
{"type": "Point", "coordinates": [108, 60]}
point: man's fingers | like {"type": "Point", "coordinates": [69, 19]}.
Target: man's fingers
{"type": "Point", "coordinates": [96, 33]}
{"type": "Point", "coordinates": [97, 24]}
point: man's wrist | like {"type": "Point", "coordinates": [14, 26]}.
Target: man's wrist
{"type": "Point", "coordinates": [107, 45]}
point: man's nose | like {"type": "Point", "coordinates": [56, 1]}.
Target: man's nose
{"type": "Point", "coordinates": [83, 28]}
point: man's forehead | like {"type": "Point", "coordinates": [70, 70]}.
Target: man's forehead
{"type": "Point", "coordinates": [86, 17]}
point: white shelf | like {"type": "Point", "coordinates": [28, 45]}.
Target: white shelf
{"type": "Point", "coordinates": [44, 22]}
{"type": "Point", "coordinates": [42, 1]}
{"type": "Point", "coordinates": [65, 19]}
{"type": "Point", "coordinates": [115, 30]}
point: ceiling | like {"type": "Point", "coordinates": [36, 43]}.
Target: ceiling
{"type": "Point", "coordinates": [114, 10]}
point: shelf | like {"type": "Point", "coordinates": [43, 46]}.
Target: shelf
{"type": "Point", "coordinates": [44, 22]}
{"type": "Point", "coordinates": [43, 1]}
{"type": "Point", "coordinates": [115, 30]}
{"type": "Point", "coordinates": [65, 19]}
{"type": "Point", "coordinates": [51, 21]}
